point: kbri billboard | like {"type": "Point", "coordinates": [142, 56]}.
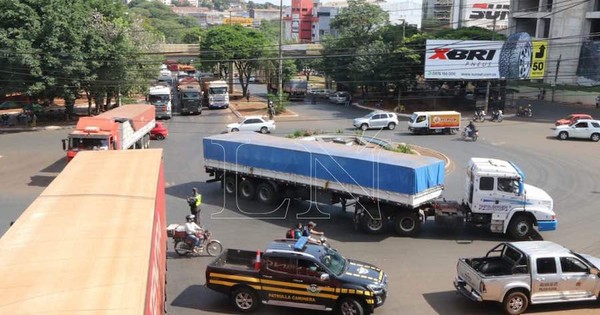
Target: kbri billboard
{"type": "Point", "coordinates": [516, 58]}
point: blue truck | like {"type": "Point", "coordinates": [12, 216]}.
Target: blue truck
{"type": "Point", "coordinates": [385, 187]}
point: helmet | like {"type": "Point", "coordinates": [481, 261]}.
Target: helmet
{"type": "Point", "coordinates": [190, 217]}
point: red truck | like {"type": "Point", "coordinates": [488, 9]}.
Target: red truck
{"type": "Point", "coordinates": [125, 127]}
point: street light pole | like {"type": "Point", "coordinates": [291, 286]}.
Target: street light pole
{"type": "Point", "coordinates": [280, 72]}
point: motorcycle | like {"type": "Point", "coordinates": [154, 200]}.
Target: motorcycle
{"type": "Point", "coordinates": [479, 115]}
{"type": "Point", "coordinates": [497, 115]}
{"type": "Point", "coordinates": [185, 246]}
{"type": "Point", "coordinates": [473, 135]}
{"type": "Point", "coordinates": [524, 112]}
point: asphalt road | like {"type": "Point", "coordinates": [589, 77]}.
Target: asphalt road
{"type": "Point", "coordinates": [420, 270]}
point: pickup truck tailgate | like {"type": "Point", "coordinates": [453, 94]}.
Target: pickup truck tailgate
{"type": "Point", "coordinates": [467, 280]}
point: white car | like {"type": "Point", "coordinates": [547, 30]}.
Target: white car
{"type": "Point", "coordinates": [377, 119]}
{"type": "Point", "coordinates": [252, 123]}
{"type": "Point", "coordinates": [339, 97]}
{"type": "Point", "coordinates": [582, 128]}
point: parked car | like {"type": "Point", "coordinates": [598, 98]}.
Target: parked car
{"type": "Point", "coordinates": [582, 129]}
{"type": "Point", "coordinates": [571, 119]}
{"type": "Point", "coordinates": [321, 93]}
{"type": "Point", "coordinates": [377, 119]}
{"type": "Point", "coordinates": [339, 97]}
{"type": "Point", "coordinates": [252, 123]}
{"type": "Point", "coordinates": [159, 132]}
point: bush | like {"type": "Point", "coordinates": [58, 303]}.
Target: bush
{"type": "Point", "coordinates": [304, 133]}
{"type": "Point", "coordinates": [401, 148]}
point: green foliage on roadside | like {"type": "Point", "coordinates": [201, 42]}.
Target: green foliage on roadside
{"type": "Point", "coordinates": [159, 18]}
{"type": "Point", "coordinates": [401, 148]}
{"type": "Point", "coordinates": [299, 133]}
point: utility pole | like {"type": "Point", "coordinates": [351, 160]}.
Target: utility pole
{"type": "Point", "coordinates": [280, 76]}
{"type": "Point", "coordinates": [487, 90]}
{"type": "Point", "coordinates": [556, 76]}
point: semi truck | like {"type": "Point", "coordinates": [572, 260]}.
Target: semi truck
{"type": "Point", "coordinates": [446, 122]}
{"type": "Point", "coordinates": [215, 93]}
{"type": "Point", "coordinates": [296, 89]}
{"type": "Point", "coordinates": [121, 128]}
{"type": "Point", "coordinates": [160, 97]}
{"type": "Point", "coordinates": [91, 243]}
{"type": "Point", "coordinates": [190, 96]}
{"type": "Point", "coordinates": [385, 187]}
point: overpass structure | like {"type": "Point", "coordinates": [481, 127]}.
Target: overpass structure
{"type": "Point", "coordinates": [176, 51]}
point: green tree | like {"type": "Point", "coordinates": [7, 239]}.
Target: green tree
{"type": "Point", "coordinates": [240, 45]}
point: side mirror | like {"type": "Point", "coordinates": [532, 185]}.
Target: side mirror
{"type": "Point", "coordinates": [594, 271]}
{"type": "Point", "coordinates": [324, 277]}
{"type": "Point", "coordinates": [64, 144]}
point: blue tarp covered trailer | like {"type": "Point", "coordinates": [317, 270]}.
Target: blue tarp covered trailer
{"type": "Point", "coordinates": [356, 170]}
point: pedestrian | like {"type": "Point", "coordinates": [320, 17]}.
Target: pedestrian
{"type": "Point", "coordinates": [248, 95]}
{"type": "Point", "coordinates": [597, 101]}
{"type": "Point", "coordinates": [33, 120]}
{"type": "Point", "coordinates": [270, 109]}
{"type": "Point", "coordinates": [543, 94]}
{"type": "Point", "coordinates": [195, 201]}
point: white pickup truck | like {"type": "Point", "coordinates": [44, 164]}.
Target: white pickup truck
{"type": "Point", "coordinates": [517, 274]}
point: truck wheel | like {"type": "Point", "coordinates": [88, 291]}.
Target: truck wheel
{"type": "Point", "coordinates": [364, 127]}
{"type": "Point", "coordinates": [265, 193]}
{"type": "Point", "coordinates": [595, 137]}
{"type": "Point", "coordinates": [264, 130]}
{"type": "Point", "coordinates": [245, 299]}
{"type": "Point", "coordinates": [520, 227]}
{"type": "Point", "coordinates": [214, 248]}
{"type": "Point", "coordinates": [407, 223]}
{"type": "Point", "coordinates": [371, 225]}
{"type": "Point", "coordinates": [563, 135]}
{"type": "Point", "coordinates": [515, 302]}
{"type": "Point", "coordinates": [247, 189]}
{"type": "Point", "coordinates": [391, 126]}
{"type": "Point", "coordinates": [230, 185]}
{"type": "Point", "coordinates": [350, 306]}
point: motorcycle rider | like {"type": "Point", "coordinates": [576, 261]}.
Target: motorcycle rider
{"type": "Point", "coordinates": [191, 228]}
{"type": "Point", "coordinates": [470, 129]}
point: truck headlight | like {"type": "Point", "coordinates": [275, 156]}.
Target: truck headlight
{"type": "Point", "coordinates": [376, 288]}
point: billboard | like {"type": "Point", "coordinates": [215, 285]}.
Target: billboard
{"type": "Point", "coordinates": [516, 58]}
{"type": "Point", "coordinates": [483, 13]}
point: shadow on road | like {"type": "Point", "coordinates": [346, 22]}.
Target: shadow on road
{"type": "Point", "coordinates": [41, 180]}
{"type": "Point", "coordinates": [201, 298]}
{"type": "Point", "coordinates": [55, 167]}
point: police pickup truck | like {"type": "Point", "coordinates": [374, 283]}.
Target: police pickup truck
{"type": "Point", "coordinates": [521, 273]}
{"type": "Point", "coordinates": [300, 274]}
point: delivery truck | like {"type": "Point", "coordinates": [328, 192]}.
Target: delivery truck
{"type": "Point", "coordinates": [215, 93]}
{"type": "Point", "coordinates": [385, 187]}
{"type": "Point", "coordinates": [190, 96]}
{"type": "Point", "coordinates": [440, 122]}
{"type": "Point", "coordinates": [121, 128]}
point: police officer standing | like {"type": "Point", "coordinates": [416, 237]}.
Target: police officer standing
{"type": "Point", "coordinates": [195, 201]}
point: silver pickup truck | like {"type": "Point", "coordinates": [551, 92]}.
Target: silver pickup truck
{"type": "Point", "coordinates": [517, 274]}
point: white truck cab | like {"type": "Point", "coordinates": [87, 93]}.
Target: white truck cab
{"type": "Point", "coordinates": [495, 188]}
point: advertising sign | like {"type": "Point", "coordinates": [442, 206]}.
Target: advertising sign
{"type": "Point", "coordinates": [483, 13]}
{"type": "Point", "coordinates": [516, 58]}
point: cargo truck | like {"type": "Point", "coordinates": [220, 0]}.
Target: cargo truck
{"type": "Point", "coordinates": [190, 96]}
{"type": "Point", "coordinates": [386, 187]}
{"type": "Point", "coordinates": [160, 97]}
{"type": "Point", "coordinates": [296, 89]}
{"type": "Point", "coordinates": [446, 122]}
{"type": "Point", "coordinates": [122, 128]}
{"type": "Point", "coordinates": [93, 242]}
{"type": "Point", "coordinates": [215, 93]}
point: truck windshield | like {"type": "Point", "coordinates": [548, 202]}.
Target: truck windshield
{"type": "Point", "coordinates": [88, 144]}
{"type": "Point", "coordinates": [335, 262]}
{"type": "Point", "coordinates": [218, 90]}
{"type": "Point", "coordinates": [158, 99]}
{"type": "Point", "coordinates": [412, 118]}
{"type": "Point", "coordinates": [190, 95]}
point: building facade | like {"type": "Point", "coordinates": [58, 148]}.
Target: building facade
{"type": "Point", "coordinates": [572, 30]}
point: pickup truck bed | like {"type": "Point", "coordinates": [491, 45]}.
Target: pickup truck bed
{"type": "Point", "coordinates": [237, 259]}
{"type": "Point", "coordinates": [492, 266]}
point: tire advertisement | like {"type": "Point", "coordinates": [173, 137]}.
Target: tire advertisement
{"type": "Point", "coordinates": [484, 13]}
{"type": "Point", "coordinates": [516, 58]}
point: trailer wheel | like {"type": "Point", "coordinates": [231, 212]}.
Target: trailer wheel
{"type": "Point", "coordinates": [265, 193]}
{"type": "Point", "coordinates": [520, 227]}
{"type": "Point", "coordinates": [515, 302]}
{"type": "Point", "coordinates": [407, 223]}
{"type": "Point", "coordinates": [245, 299]}
{"type": "Point", "coordinates": [371, 225]}
{"type": "Point", "coordinates": [247, 189]}
{"type": "Point", "coordinates": [230, 184]}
